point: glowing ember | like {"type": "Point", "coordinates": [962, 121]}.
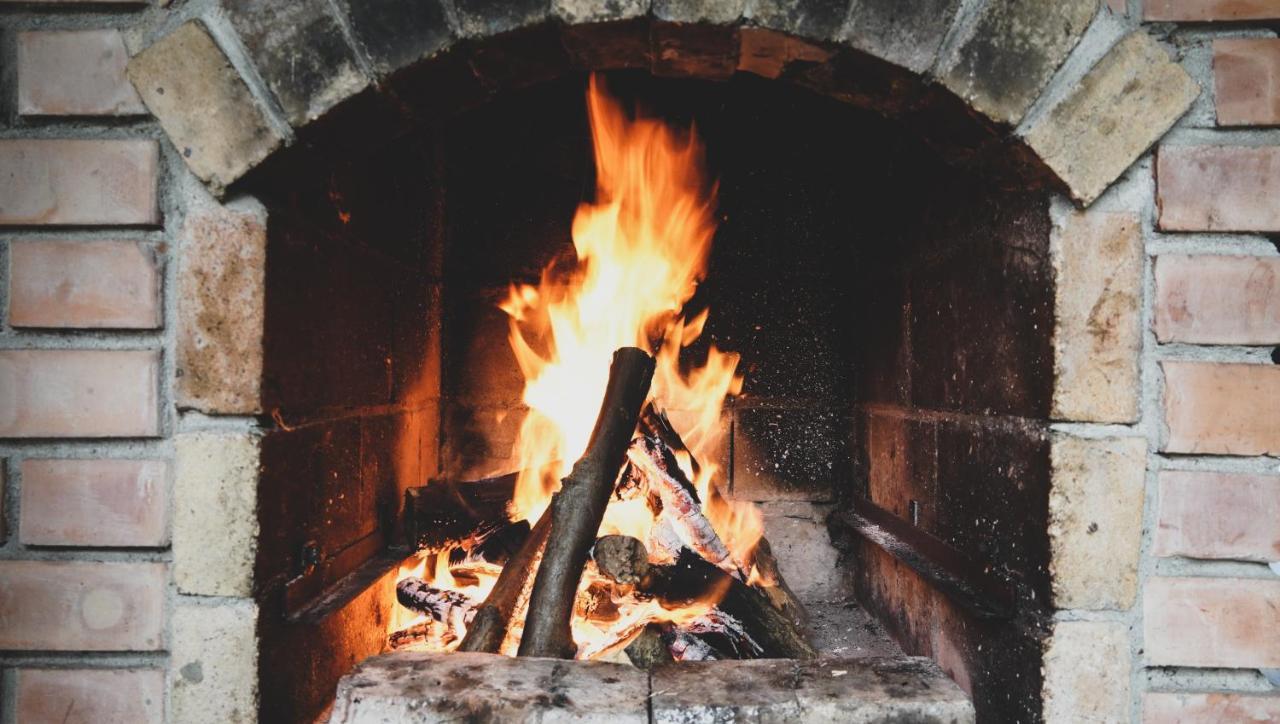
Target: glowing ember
{"type": "Point", "coordinates": [641, 249]}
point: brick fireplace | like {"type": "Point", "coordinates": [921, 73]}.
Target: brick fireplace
{"type": "Point", "coordinates": [1017, 288]}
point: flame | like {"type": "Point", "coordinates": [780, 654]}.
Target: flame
{"type": "Point", "coordinates": [640, 250]}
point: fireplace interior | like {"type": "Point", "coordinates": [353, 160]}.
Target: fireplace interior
{"type": "Point", "coordinates": [891, 300]}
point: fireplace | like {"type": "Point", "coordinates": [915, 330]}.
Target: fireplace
{"type": "Point", "coordinates": [938, 239]}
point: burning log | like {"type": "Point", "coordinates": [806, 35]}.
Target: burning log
{"type": "Point", "coordinates": [621, 558]}
{"type": "Point", "coordinates": [449, 607]}
{"type": "Point", "coordinates": [415, 634]}
{"type": "Point", "coordinates": [577, 509]}
{"type": "Point", "coordinates": [647, 650]}
{"type": "Point", "coordinates": [685, 646]}
{"type": "Point", "coordinates": [489, 627]}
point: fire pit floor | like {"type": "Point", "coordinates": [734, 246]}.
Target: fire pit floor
{"type": "Point", "coordinates": [406, 687]}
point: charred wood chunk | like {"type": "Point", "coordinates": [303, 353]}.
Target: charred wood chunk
{"type": "Point", "coordinates": [621, 558]}
{"type": "Point", "coordinates": [684, 646]}
{"type": "Point", "coordinates": [647, 650]}
{"type": "Point", "coordinates": [449, 607]}
{"type": "Point", "coordinates": [595, 603]}
{"type": "Point", "coordinates": [493, 619]}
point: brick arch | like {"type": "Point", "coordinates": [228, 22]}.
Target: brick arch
{"type": "Point", "coordinates": [980, 84]}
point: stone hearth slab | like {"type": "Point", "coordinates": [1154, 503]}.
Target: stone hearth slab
{"type": "Point", "coordinates": [401, 688]}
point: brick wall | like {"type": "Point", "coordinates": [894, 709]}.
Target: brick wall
{"type": "Point", "coordinates": [103, 419]}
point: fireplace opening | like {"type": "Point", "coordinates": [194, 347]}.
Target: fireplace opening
{"type": "Point", "coordinates": [892, 309]}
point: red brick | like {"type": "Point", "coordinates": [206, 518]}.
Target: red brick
{"type": "Point", "coordinates": [60, 181]}
{"type": "Point", "coordinates": [1228, 409]}
{"type": "Point", "coordinates": [4, 522]}
{"type": "Point", "coordinates": [82, 606]}
{"type": "Point", "coordinates": [1207, 299]}
{"type": "Point", "coordinates": [74, 73]}
{"type": "Point", "coordinates": [1169, 708]}
{"type": "Point", "coordinates": [1246, 80]}
{"type": "Point", "coordinates": [83, 284]}
{"type": "Point", "coordinates": [1244, 183]}
{"type": "Point", "coordinates": [1219, 515]}
{"type": "Point", "coordinates": [1119, 7]}
{"type": "Point", "coordinates": [79, 393]}
{"type": "Point", "coordinates": [1212, 622]}
{"type": "Point", "coordinates": [94, 503]}
{"type": "Point", "coordinates": [1209, 10]}
{"type": "Point", "coordinates": [90, 696]}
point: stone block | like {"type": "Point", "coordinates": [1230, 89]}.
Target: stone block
{"type": "Point", "coordinates": [1231, 623]}
{"type": "Point", "coordinates": [1095, 521]}
{"type": "Point", "coordinates": [395, 34]}
{"type": "Point", "coordinates": [787, 454]}
{"type": "Point", "coordinates": [798, 536]}
{"type": "Point", "coordinates": [1244, 80]}
{"type": "Point", "coordinates": [490, 687]}
{"type": "Point", "coordinates": [1218, 515]}
{"type": "Point", "coordinates": [598, 11]}
{"type": "Point", "coordinates": [1227, 409]}
{"type": "Point", "coordinates": [1011, 53]}
{"type": "Point", "coordinates": [213, 662]}
{"type": "Point", "coordinates": [1243, 179]}
{"type": "Point", "coordinates": [1192, 708]}
{"type": "Point", "coordinates": [301, 53]}
{"type": "Point", "coordinates": [1098, 261]}
{"type": "Point", "coordinates": [1086, 673]}
{"type": "Point", "coordinates": [82, 606]}
{"type": "Point", "coordinates": [204, 105]}
{"type": "Point", "coordinates": [1122, 106]}
{"type": "Point", "coordinates": [483, 18]}
{"type": "Point", "coordinates": [908, 34]}
{"type": "Point", "coordinates": [89, 696]}
{"type": "Point", "coordinates": [809, 19]}
{"type": "Point", "coordinates": [79, 393]}
{"type": "Point", "coordinates": [826, 690]}
{"type": "Point", "coordinates": [84, 284]}
{"type": "Point", "coordinates": [74, 73]}
{"type": "Point", "coordinates": [116, 503]}
{"type": "Point", "coordinates": [215, 531]}
{"type": "Point", "coordinates": [715, 12]}
{"type": "Point", "coordinates": [45, 182]}
{"type": "Point", "coordinates": [1213, 299]}
{"type": "Point", "coordinates": [1208, 11]}
{"type": "Point", "coordinates": [221, 309]}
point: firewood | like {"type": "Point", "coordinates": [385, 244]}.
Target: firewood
{"type": "Point", "coordinates": [693, 579]}
{"type": "Point", "coordinates": [577, 509]}
{"type": "Point", "coordinates": [685, 646]}
{"type": "Point", "coordinates": [621, 558]}
{"type": "Point", "coordinates": [489, 627]}
{"type": "Point", "coordinates": [415, 634]}
{"type": "Point", "coordinates": [449, 607]}
{"type": "Point", "coordinates": [648, 650]}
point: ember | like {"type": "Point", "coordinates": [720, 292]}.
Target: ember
{"type": "Point", "coordinates": [677, 570]}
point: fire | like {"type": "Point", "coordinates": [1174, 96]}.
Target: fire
{"type": "Point", "coordinates": [641, 248]}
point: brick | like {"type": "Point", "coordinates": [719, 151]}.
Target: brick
{"type": "Point", "coordinates": [1227, 409]}
{"type": "Point", "coordinates": [203, 105]}
{"type": "Point", "coordinates": [1188, 708]}
{"type": "Point", "coordinates": [1086, 673]}
{"type": "Point", "coordinates": [906, 34]}
{"type": "Point", "coordinates": [301, 52]}
{"type": "Point", "coordinates": [1098, 260]}
{"type": "Point", "coordinates": [213, 662]}
{"type": "Point", "coordinates": [221, 297]}
{"type": "Point", "coordinates": [1218, 515]}
{"type": "Point", "coordinates": [1244, 180]}
{"type": "Point", "coordinates": [89, 696]}
{"type": "Point", "coordinates": [799, 19]}
{"type": "Point", "coordinates": [1012, 52]}
{"type": "Point", "coordinates": [1230, 623]}
{"type": "Point", "coordinates": [483, 18]}
{"type": "Point", "coordinates": [79, 393]}
{"type": "Point", "coordinates": [395, 34]}
{"type": "Point", "coordinates": [94, 503]}
{"type": "Point", "coordinates": [1209, 10]}
{"type": "Point", "coordinates": [1095, 521]}
{"type": "Point", "coordinates": [1213, 299]}
{"type": "Point", "coordinates": [1246, 81]}
{"type": "Point", "coordinates": [46, 182]}
{"type": "Point", "coordinates": [74, 73]}
{"type": "Point", "coordinates": [4, 520]}
{"type": "Point", "coordinates": [215, 532]}
{"type": "Point", "coordinates": [1113, 115]}
{"type": "Point", "coordinates": [83, 285]}
{"type": "Point", "coordinates": [82, 606]}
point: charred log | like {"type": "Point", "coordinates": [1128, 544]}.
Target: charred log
{"type": "Point", "coordinates": [451, 514]}
{"type": "Point", "coordinates": [621, 558]}
{"type": "Point", "coordinates": [450, 607]}
{"type": "Point", "coordinates": [577, 509]}
{"type": "Point", "coordinates": [648, 650]}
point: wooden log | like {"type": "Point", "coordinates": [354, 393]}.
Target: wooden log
{"type": "Point", "coordinates": [449, 607]}
{"type": "Point", "coordinates": [489, 627]}
{"type": "Point", "coordinates": [577, 509]}
{"type": "Point", "coordinates": [693, 579]}
{"type": "Point", "coordinates": [647, 650]}
{"type": "Point", "coordinates": [621, 558]}
{"type": "Point", "coordinates": [454, 514]}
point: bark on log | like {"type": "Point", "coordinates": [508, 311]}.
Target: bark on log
{"type": "Point", "coordinates": [577, 509]}
{"type": "Point", "coordinates": [693, 579]}
{"type": "Point", "coordinates": [492, 620]}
